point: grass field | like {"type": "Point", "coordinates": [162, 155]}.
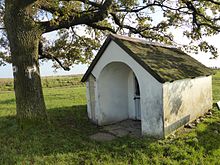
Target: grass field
{"type": "Point", "coordinates": [66, 140]}
{"type": "Point", "coordinates": [47, 82]}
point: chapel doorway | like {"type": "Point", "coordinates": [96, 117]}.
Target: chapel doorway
{"type": "Point", "coordinates": [137, 99]}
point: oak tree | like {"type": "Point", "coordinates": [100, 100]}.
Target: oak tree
{"type": "Point", "coordinates": [81, 27]}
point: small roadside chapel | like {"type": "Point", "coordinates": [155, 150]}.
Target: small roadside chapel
{"type": "Point", "coordinates": [159, 85]}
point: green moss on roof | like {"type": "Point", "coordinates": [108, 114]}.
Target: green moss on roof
{"type": "Point", "coordinates": [168, 63]}
{"type": "Point", "coordinates": [163, 63]}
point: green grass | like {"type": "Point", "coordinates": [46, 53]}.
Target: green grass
{"type": "Point", "coordinates": [47, 82]}
{"type": "Point", "coordinates": [66, 140]}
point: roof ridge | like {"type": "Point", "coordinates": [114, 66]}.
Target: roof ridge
{"type": "Point", "coordinates": [133, 39]}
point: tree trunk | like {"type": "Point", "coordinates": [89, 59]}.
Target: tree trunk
{"type": "Point", "coordinates": [24, 35]}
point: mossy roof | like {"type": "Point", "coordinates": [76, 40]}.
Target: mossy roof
{"type": "Point", "coordinates": [162, 62]}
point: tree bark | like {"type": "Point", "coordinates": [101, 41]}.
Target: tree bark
{"type": "Point", "coordinates": [24, 35]}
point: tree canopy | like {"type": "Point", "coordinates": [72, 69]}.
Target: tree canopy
{"type": "Point", "coordinates": [82, 25]}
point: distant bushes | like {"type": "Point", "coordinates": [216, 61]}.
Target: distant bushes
{"type": "Point", "coordinates": [47, 82]}
{"type": "Point", "coordinates": [61, 81]}
{"type": "Point", "coordinates": [6, 85]}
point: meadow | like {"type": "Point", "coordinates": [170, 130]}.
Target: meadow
{"type": "Point", "coordinates": [66, 139]}
{"type": "Point", "coordinates": [6, 84]}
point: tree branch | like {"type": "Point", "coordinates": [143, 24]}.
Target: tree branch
{"type": "Point", "coordinates": [94, 4]}
{"type": "Point", "coordinates": [141, 8]}
{"type": "Point", "coordinates": [212, 1]}
{"type": "Point", "coordinates": [50, 8]}
{"type": "Point", "coordinates": [99, 27]}
{"type": "Point", "coordinates": [84, 18]}
{"type": "Point", "coordinates": [53, 8]}
{"type": "Point", "coordinates": [138, 31]}
{"type": "Point", "coordinates": [51, 57]}
{"type": "Point", "coordinates": [198, 23]}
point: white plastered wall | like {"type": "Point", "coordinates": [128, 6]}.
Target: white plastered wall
{"type": "Point", "coordinates": [90, 95]}
{"type": "Point", "coordinates": [185, 100]}
{"type": "Point", "coordinates": [150, 92]}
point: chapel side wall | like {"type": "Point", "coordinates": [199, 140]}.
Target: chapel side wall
{"type": "Point", "coordinates": [185, 100]}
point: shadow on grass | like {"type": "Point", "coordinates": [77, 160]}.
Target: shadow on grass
{"type": "Point", "coordinates": [66, 140]}
{"type": "Point", "coordinates": [9, 101]}
{"type": "Point", "coordinates": [68, 133]}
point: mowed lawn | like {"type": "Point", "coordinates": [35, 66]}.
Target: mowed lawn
{"type": "Point", "coordinates": [66, 139]}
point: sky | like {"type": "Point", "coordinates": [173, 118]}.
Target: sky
{"type": "Point", "coordinates": [46, 67]}
{"type": "Point", "coordinates": [202, 57]}
{"type": "Point", "coordinates": [47, 70]}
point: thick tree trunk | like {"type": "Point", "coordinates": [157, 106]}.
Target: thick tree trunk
{"type": "Point", "coordinates": [24, 34]}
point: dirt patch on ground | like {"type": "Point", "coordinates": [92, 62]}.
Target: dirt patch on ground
{"type": "Point", "coordinates": [124, 128]}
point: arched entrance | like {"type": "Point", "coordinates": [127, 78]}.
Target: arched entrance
{"type": "Point", "coordinates": [118, 94]}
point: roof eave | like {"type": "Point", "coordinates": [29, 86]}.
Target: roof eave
{"type": "Point", "coordinates": [145, 66]}
{"type": "Point", "coordinates": [120, 44]}
{"type": "Point", "coordinates": [96, 59]}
